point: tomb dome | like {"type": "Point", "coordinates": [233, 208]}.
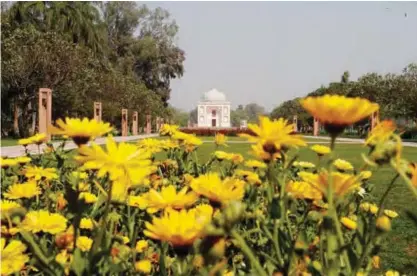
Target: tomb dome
{"type": "Point", "coordinates": [213, 95]}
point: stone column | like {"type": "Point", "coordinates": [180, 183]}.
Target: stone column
{"type": "Point", "coordinates": [148, 124]}
{"type": "Point", "coordinates": [374, 119]}
{"type": "Point", "coordinates": [135, 123]}
{"type": "Point", "coordinates": [97, 111]}
{"type": "Point", "coordinates": [295, 122]}
{"type": "Point", "coordinates": [316, 127]}
{"type": "Point", "coordinates": [124, 122]}
{"type": "Point", "coordinates": [45, 111]}
{"type": "Point", "coordinates": [158, 124]}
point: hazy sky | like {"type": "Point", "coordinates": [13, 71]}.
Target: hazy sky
{"type": "Point", "coordinates": [269, 52]}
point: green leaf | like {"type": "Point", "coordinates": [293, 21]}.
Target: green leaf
{"type": "Point", "coordinates": [79, 262]}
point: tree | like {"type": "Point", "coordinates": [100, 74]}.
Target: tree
{"type": "Point", "coordinates": [253, 111]}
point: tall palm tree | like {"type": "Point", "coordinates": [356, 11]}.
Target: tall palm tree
{"type": "Point", "coordinates": [78, 21]}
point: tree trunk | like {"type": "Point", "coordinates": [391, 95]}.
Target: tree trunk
{"type": "Point", "coordinates": [16, 119]}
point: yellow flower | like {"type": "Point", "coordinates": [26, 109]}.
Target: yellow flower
{"type": "Point", "coordinates": [248, 176]}
{"type": "Point", "coordinates": [35, 139]}
{"type": "Point", "coordinates": [12, 258]}
{"type": "Point", "coordinates": [81, 131]}
{"type": "Point", "coordinates": [342, 165]}
{"type": "Point", "coordinates": [169, 198]}
{"type": "Point", "coordinates": [24, 142]}
{"type": "Point", "coordinates": [349, 223]}
{"type": "Point", "coordinates": [79, 175]}
{"type": "Point", "coordinates": [40, 173]}
{"type": "Point", "coordinates": [381, 133]}
{"type": "Point", "coordinates": [342, 184]}
{"type": "Point", "coordinates": [137, 201]}
{"type": "Point", "coordinates": [198, 261]}
{"type": "Point", "coordinates": [211, 186]}
{"type": "Point", "coordinates": [84, 243]}
{"type": "Point", "coordinates": [390, 213]}
{"type": "Point", "coordinates": [320, 149]}
{"type": "Point", "coordinates": [141, 246]}
{"type": "Point", "coordinates": [8, 162]}
{"type": "Point", "coordinates": [364, 175]}
{"type": "Point", "coordinates": [9, 231]}
{"type": "Point", "coordinates": [376, 262]}
{"type": "Point", "coordinates": [169, 144]}
{"type": "Point", "coordinates": [258, 151]}
{"type": "Point", "coordinates": [303, 190]}
{"type": "Point", "coordinates": [24, 190]}
{"type": "Point", "coordinates": [236, 158]}
{"type": "Point", "coordinates": [220, 139]}
{"type": "Point", "coordinates": [88, 197]}
{"type": "Point", "coordinates": [383, 223]}
{"type": "Point", "coordinates": [144, 266]}
{"type": "Point", "coordinates": [304, 164]}
{"type": "Point", "coordinates": [180, 228]}
{"type": "Point", "coordinates": [64, 259]}
{"type": "Point", "coordinates": [186, 139]}
{"type": "Point", "coordinates": [7, 205]}
{"type": "Point", "coordinates": [255, 164]}
{"type": "Point", "coordinates": [274, 136]}
{"type": "Point", "coordinates": [37, 221]}
{"type": "Point", "coordinates": [392, 273]}
{"type": "Point", "coordinates": [337, 112]}
{"type": "Point", "coordinates": [22, 160]}
{"type": "Point", "coordinates": [167, 129]}
{"type": "Point", "coordinates": [221, 155]}
{"type": "Point", "coordinates": [373, 209]}
{"type": "Point", "coordinates": [123, 159]}
{"type": "Point", "coordinates": [150, 144]}
{"type": "Point", "coordinates": [86, 223]}
{"type": "Point", "coordinates": [187, 178]}
{"type": "Point", "coordinates": [413, 173]}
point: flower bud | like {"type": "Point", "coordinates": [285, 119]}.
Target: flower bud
{"type": "Point", "coordinates": [383, 223]}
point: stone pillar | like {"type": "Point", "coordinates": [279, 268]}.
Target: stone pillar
{"type": "Point", "coordinates": [148, 124]}
{"type": "Point", "coordinates": [295, 122]}
{"type": "Point", "coordinates": [97, 111]}
{"type": "Point", "coordinates": [316, 127]}
{"type": "Point", "coordinates": [157, 123]}
{"type": "Point", "coordinates": [45, 111]}
{"type": "Point", "coordinates": [189, 123]}
{"type": "Point", "coordinates": [374, 119]}
{"type": "Point", "coordinates": [135, 123]}
{"type": "Point", "coordinates": [162, 122]}
{"type": "Point", "coordinates": [124, 122]}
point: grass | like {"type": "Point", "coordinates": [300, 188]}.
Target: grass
{"type": "Point", "coordinates": [6, 142]}
{"type": "Point", "coordinates": [399, 250]}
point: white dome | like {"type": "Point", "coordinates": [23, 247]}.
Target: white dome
{"type": "Point", "coordinates": [214, 96]}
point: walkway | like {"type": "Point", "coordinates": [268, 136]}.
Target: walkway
{"type": "Point", "coordinates": [14, 151]}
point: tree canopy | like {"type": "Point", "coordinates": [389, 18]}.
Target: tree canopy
{"type": "Point", "coordinates": [395, 93]}
{"type": "Point", "coordinates": [118, 53]}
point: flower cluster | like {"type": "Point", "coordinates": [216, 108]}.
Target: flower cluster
{"type": "Point", "coordinates": [167, 206]}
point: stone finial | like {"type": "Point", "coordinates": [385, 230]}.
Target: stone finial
{"type": "Point", "coordinates": [45, 111]}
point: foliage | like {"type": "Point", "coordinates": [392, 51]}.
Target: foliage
{"type": "Point", "coordinates": [118, 210]}
{"type": "Point", "coordinates": [86, 52]}
{"type": "Point", "coordinates": [395, 93]}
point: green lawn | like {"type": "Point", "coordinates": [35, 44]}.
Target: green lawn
{"type": "Point", "coordinates": [6, 142]}
{"type": "Point", "coordinates": [400, 247]}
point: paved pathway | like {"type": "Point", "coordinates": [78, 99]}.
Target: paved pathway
{"type": "Point", "coordinates": [356, 140]}
{"type": "Point", "coordinates": [14, 151]}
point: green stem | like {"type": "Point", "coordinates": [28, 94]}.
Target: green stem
{"type": "Point", "coordinates": [35, 248]}
{"type": "Point", "coordinates": [371, 236]}
{"type": "Point", "coordinates": [249, 254]}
